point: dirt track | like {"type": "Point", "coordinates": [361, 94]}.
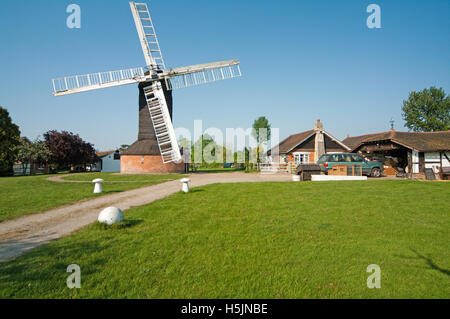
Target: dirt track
{"type": "Point", "coordinates": [27, 232]}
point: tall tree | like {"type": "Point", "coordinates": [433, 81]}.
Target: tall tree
{"type": "Point", "coordinates": [261, 132]}
{"type": "Point", "coordinates": [9, 139]}
{"type": "Point", "coordinates": [427, 110]}
{"type": "Point", "coordinates": [29, 152]}
{"type": "Point", "coordinates": [69, 149]}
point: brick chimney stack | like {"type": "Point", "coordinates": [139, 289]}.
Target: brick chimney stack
{"type": "Point", "coordinates": [319, 146]}
{"type": "Point", "coordinates": [318, 126]}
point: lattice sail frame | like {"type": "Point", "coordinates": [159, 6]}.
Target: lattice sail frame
{"type": "Point", "coordinates": [147, 36]}
{"type": "Point", "coordinates": [202, 77]}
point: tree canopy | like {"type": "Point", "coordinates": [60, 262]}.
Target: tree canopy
{"type": "Point", "coordinates": [69, 149]}
{"type": "Point", "coordinates": [31, 152]}
{"type": "Point", "coordinates": [261, 130]}
{"type": "Point", "coordinates": [9, 139]}
{"type": "Point", "coordinates": [427, 110]}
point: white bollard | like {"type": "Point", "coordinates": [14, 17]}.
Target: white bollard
{"type": "Point", "coordinates": [185, 186]}
{"type": "Point", "coordinates": [98, 185]}
{"type": "Point", "coordinates": [110, 215]}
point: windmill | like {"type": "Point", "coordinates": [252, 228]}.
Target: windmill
{"type": "Point", "coordinates": [156, 133]}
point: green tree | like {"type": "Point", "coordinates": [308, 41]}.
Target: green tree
{"type": "Point", "coordinates": [9, 139]}
{"type": "Point", "coordinates": [427, 110]}
{"type": "Point", "coordinates": [29, 152]}
{"type": "Point", "coordinates": [261, 132]}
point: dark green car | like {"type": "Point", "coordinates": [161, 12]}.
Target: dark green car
{"type": "Point", "coordinates": [369, 168]}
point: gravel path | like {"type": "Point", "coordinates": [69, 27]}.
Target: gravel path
{"type": "Point", "coordinates": [27, 232]}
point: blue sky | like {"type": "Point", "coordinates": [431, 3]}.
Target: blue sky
{"type": "Point", "coordinates": [301, 60]}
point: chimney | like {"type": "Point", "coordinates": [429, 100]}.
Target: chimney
{"type": "Point", "coordinates": [319, 146]}
{"type": "Point", "coordinates": [318, 126]}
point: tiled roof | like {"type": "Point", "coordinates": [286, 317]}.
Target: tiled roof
{"type": "Point", "coordinates": [292, 141]}
{"type": "Point", "coordinates": [143, 147]}
{"type": "Point", "coordinates": [103, 154]}
{"type": "Point", "coordinates": [420, 141]}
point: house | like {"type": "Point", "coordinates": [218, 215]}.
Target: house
{"type": "Point", "coordinates": [109, 162]}
{"type": "Point", "coordinates": [31, 168]}
{"type": "Point", "coordinates": [306, 147]}
{"type": "Point", "coordinates": [408, 151]}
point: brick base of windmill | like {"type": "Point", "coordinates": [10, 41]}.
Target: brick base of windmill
{"type": "Point", "coordinates": [143, 156]}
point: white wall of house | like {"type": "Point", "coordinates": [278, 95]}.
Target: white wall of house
{"type": "Point", "coordinates": [432, 160]}
{"type": "Point", "coordinates": [415, 162]}
{"type": "Point", "coordinates": [109, 164]}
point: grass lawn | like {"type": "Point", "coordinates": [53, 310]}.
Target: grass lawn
{"type": "Point", "coordinates": [260, 240]}
{"type": "Point", "coordinates": [31, 194]}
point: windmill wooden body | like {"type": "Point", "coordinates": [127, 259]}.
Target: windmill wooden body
{"type": "Point", "coordinates": [156, 149]}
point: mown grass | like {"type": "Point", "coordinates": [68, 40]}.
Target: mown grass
{"type": "Point", "coordinates": [32, 194]}
{"type": "Point", "coordinates": [256, 240]}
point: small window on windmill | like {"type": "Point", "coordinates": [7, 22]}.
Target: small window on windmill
{"type": "Point", "coordinates": [116, 155]}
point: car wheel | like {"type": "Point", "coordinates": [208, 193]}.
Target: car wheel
{"type": "Point", "coordinates": [376, 172]}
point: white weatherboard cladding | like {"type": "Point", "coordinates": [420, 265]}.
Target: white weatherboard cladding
{"type": "Point", "coordinates": [415, 160]}
{"type": "Point", "coordinates": [433, 161]}
{"type": "Point", "coordinates": [110, 165]}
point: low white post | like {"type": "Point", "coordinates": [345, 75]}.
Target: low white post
{"type": "Point", "coordinates": [185, 186]}
{"type": "Point", "coordinates": [98, 185]}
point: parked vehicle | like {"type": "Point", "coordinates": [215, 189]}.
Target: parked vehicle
{"type": "Point", "coordinates": [369, 168]}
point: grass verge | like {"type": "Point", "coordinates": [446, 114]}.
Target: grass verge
{"type": "Point", "coordinates": [32, 194]}
{"type": "Point", "coordinates": [256, 240]}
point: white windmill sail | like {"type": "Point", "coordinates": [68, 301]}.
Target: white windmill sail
{"type": "Point", "coordinates": [94, 81]}
{"type": "Point", "coordinates": [162, 123]}
{"type": "Point", "coordinates": [175, 78]}
{"type": "Point", "coordinates": [201, 73]}
{"type": "Point", "coordinates": [147, 36]}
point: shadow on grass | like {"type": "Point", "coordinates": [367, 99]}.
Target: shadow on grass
{"type": "Point", "coordinates": [196, 190]}
{"type": "Point", "coordinates": [430, 263]}
{"type": "Point", "coordinates": [110, 192]}
{"type": "Point", "coordinates": [123, 225]}
{"type": "Point", "coordinates": [35, 268]}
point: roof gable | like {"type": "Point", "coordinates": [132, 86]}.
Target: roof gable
{"type": "Point", "coordinates": [295, 140]}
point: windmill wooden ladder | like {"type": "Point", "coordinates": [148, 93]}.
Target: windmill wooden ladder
{"type": "Point", "coordinates": [149, 33]}
{"type": "Point", "coordinates": [160, 116]}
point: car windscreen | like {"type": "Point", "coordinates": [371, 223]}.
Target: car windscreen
{"type": "Point", "coordinates": [324, 158]}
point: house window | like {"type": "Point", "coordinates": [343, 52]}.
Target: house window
{"type": "Point", "coordinates": [283, 159]}
{"type": "Point", "coordinates": [301, 158]}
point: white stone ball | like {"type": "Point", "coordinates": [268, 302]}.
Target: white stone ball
{"type": "Point", "coordinates": [110, 216]}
